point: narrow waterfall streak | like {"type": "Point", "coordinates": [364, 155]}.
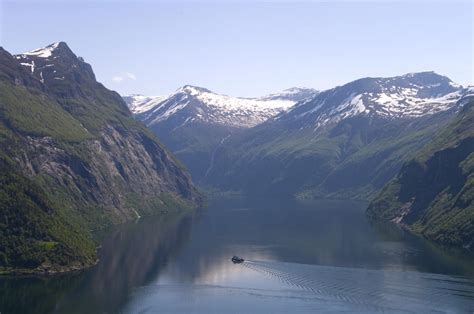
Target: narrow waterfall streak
{"type": "Point", "coordinates": [213, 156]}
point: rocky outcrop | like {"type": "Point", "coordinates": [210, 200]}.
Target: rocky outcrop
{"type": "Point", "coordinates": [117, 169]}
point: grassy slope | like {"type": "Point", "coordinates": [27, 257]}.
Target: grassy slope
{"type": "Point", "coordinates": [46, 221]}
{"type": "Point", "coordinates": [351, 160]}
{"type": "Point", "coordinates": [434, 193]}
{"type": "Point", "coordinates": [35, 229]}
{"type": "Point", "coordinates": [36, 114]}
{"type": "Point", "coordinates": [193, 143]}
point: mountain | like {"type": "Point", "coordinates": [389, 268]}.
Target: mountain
{"type": "Point", "coordinates": [197, 104]}
{"type": "Point", "coordinates": [408, 96]}
{"type": "Point", "coordinates": [140, 104]}
{"type": "Point", "coordinates": [72, 160]}
{"type": "Point", "coordinates": [433, 194]}
{"type": "Point", "coordinates": [345, 142]}
{"type": "Point", "coordinates": [295, 94]}
{"type": "Point", "coordinates": [193, 121]}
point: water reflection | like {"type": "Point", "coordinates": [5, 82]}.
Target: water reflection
{"type": "Point", "coordinates": [405, 251]}
{"type": "Point", "coordinates": [34, 295]}
{"type": "Point", "coordinates": [132, 255]}
{"type": "Point", "coordinates": [303, 256]}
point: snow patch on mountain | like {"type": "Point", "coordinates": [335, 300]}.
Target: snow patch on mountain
{"type": "Point", "coordinates": [294, 93]}
{"type": "Point", "coordinates": [45, 52]}
{"type": "Point", "coordinates": [171, 111]}
{"type": "Point", "coordinates": [469, 90]}
{"type": "Point", "coordinates": [48, 63]}
{"type": "Point", "coordinates": [235, 103]}
{"type": "Point", "coordinates": [467, 96]}
{"type": "Point", "coordinates": [205, 106]}
{"type": "Point", "coordinates": [409, 96]}
{"type": "Point", "coordinates": [406, 103]}
{"type": "Point", "coordinates": [30, 65]}
{"type": "Point", "coordinates": [139, 103]}
{"type": "Point", "coordinates": [389, 106]}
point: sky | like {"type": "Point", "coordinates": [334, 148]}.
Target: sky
{"type": "Point", "coordinates": [247, 48]}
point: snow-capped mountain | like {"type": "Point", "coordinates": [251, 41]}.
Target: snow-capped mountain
{"type": "Point", "coordinates": [44, 52]}
{"type": "Point", "coordinates": [56, 66]}
{"type": "Point", "coordinates": [347, 141]}
{"type": "Point", "coordinates": [197, 104]}
{"type": "Point", "coordinates": [469, 91]}
{"type": "Point", "coordinates": [195, 122]}
{"type": "Point", "coordinates": [30, 59]}
{"type": "Point", "coordinates": [408, 96]}
{"type": "Point", "coordinates": [50, 63]}
{"type": "Point", "coordinates": [140, 104]}
{"type": "Point", "coordinates": [295, 93]}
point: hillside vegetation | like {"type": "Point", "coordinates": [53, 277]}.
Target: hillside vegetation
{"type": "Point", "coordinates": [73, 160]}
{"type": "Point", "coordinates": [434, 192]}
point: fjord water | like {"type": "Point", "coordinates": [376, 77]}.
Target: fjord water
{"type": "Point", "coordinates": [316, 256]}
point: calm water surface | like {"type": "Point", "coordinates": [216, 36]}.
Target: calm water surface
{"type": "Point", "coordinates": [319, 256]}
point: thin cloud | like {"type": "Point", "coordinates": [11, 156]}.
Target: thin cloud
{"type": "Point", "coordinates": [123, 77]}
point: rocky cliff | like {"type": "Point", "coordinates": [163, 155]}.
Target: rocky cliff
{"type": "Point", "coordinates": [73, 160]}
{"type": "Point", "coordinates": [433, 194]}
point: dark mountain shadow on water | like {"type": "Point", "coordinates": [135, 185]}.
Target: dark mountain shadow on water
{"type": "Point", "coordinates": [132, 255]}
{"type": "Point", "coordinates": [326, 251]}
{"type": "Point", "coordinates": [34, 295]}
{"type": "Point", "coordinates": [393, 242]}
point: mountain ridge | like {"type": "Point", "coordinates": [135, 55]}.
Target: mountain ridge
{"type": "Point", "coordinates": [194, 122]}
{"type": "Point", "coordinates": [246, 112]}
{"type": "Point", "coordinates": [409, 95]}
{"type": "Point", "coordinates": [73, 160]}
{"type": "Point", "coordinates": [326, 147]}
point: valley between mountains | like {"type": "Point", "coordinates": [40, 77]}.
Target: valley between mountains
{"type": "Point", "coordinates": [347, 142]}
{"type": "Point", "coordinates": [77, 157]}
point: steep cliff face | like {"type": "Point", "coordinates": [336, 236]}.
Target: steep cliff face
{"type": "Point", "coordinates": [121, 174]}
{"type": "Point", "coordinates": [434, 193]}
{"type": "Point", "coordinates": [89, 163]}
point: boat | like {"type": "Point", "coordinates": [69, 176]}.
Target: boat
{"type": "Point", "coordinates": [237, 260]}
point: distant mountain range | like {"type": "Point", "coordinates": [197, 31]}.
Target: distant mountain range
{"type": "Point", "coordinates": [193, 121]}
{"type": "Point", "coordinates": [196, 104]}
{"type": "Point", "coordinates": [73, 160]}
{"type": "Point", "coordinates": [403, 97]}
{"type": "Point", "coordinates": [346, 142]}
{"type": "Point", "coordinates": [302, 141]}
{"type": "Point", "coordinates": [412, 132]}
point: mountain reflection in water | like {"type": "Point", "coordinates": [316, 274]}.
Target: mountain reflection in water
{"type": "Point", "coordinates": [314, 256]}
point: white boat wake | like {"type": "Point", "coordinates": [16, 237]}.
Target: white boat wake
{"type": "Point", "coordinates": [375, 290]}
